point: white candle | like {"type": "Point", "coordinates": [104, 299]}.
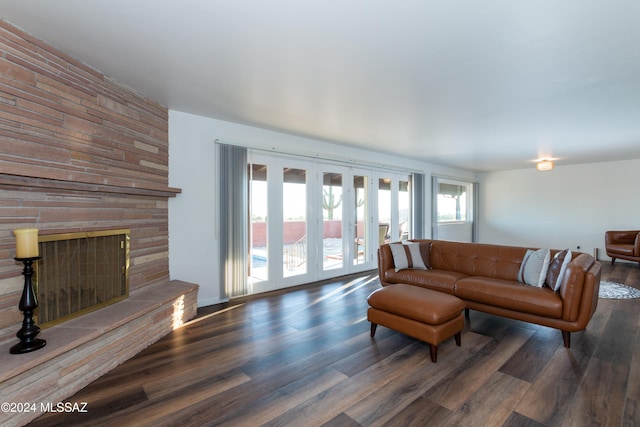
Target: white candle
{"type": "Point", "coordinates": [26, 242]}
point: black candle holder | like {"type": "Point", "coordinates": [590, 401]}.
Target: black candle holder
{"type": "Point", "coordinates": [28, 303]}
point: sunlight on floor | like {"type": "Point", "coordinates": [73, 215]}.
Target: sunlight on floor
{"type": "Point", "coordinates": [359, 320]}
{"type": "Point", "coordinates": [208, 316]}
{"type": "Point", "coordinates": [336, 294]}
{"type": "Point", "coordinates": [178, 313]}
{"type": "Point", "coordinates": [354, 285]}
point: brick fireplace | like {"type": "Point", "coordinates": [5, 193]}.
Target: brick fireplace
{"type": "Point", "coordinates": [80, 153]}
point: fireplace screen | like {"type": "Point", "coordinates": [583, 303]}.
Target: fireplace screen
{"type": "Point", "coordinates": [80, 272]}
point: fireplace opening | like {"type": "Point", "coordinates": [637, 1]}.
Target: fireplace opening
{"type": "Point", "coordinates": [79, 273]}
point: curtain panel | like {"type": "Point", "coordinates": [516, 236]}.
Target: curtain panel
{"type": "Point", "coordinates": [233, 229]}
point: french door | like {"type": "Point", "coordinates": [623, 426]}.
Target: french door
{"type": "Point", "coordinates": [280, 230]}
{"type": "Point", "coordinates": [310, 220]}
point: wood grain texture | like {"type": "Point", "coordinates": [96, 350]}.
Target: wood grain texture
{"type": "Point", "coordinates": [305, 357]}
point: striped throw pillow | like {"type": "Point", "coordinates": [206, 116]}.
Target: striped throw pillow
{"type": "Point", "coordinates": [407, 255]}
{"type": "Point", "coordinates": [534, 267]}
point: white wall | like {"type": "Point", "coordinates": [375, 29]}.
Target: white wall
{"type": "Point", "coordinates": [193, 250]}
{"type": "Point", "coordinates": [456, 231]}
{"type": "Point", "coordinates": [193, 244]}
{"type": "Point", "coordinates": [567, 207]}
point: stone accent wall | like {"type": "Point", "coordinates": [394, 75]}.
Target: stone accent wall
{"type": "Point", "coordinates": [78, 152]}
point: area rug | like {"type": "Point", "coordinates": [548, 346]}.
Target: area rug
{"type": "Point", "coordinates": [612, 290]}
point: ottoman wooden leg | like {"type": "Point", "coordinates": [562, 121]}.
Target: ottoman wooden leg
{"type": "Point", "coordinates": [373, 329]}
{"type": "Point", "coordinates": [434, 348]}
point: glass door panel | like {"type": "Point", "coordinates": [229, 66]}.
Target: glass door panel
{"type": "Point", "coordinates": [258, 208]}
{"type": "Point", "coordinates": [332, 226]}
{"type": "Point", "coordinates": [360, 214]}
{"type": "Point", "coordinates": [384, 210]}
{"type": "Point", "coordinates": [404, 210]}
{"type": "Point", "coordinates": [294, 225]}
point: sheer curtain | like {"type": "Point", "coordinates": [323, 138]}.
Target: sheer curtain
{"type": "Point", "coordinates": [232, 191]}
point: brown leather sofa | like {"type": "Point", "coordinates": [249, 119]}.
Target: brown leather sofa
{"type": "Point", "coordinates": [623, 245]}
{"type": "Point", "coordinates": [484, 276]}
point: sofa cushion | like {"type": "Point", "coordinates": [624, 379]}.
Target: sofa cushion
{"type": "Point", "coordinates": [557, 268]}
{"type": "Point", "coordinates": [534, 267]}
{"type": "Point", "coordinates": [410, 255]}
{"type": "Point", "coordinates": [510, 295]}
{"type": "Point", "coordinates": [477, 259]}
{"type": "Point", "coordinates": [438, 280]}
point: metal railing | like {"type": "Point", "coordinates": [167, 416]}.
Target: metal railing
{"type": "Point", "coordinates": [295, 254]}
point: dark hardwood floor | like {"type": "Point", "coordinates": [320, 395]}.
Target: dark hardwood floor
{"type": "Point", "coordinates": [305, 358]}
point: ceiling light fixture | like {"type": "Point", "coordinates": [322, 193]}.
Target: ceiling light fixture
{"type": "Point", "coordinates": [544, 165]}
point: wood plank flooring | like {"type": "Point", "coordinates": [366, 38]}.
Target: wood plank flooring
{"type": "Point", "coordinates": [305, 358]}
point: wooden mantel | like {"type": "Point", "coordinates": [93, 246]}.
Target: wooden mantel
{"type": "Point", "coordinates": [158, 191]}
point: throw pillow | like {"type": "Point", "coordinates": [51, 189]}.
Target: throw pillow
{"type": "Point", "coordinates": [425, 251]}
{"type": "Point", "coordinates": [534, 267]}
{"type": "Point", "coordinates": [407, 255]}
{"type": "Point", "coordinates": [557, 269]}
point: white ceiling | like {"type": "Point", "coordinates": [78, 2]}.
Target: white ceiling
{"type": "Point", "coordinates": [480, 85]}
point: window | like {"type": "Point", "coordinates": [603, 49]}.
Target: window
{"type": "Point", "coordinates": [452, 202]}
{"type": "Point", "coordinates": [453, 210]}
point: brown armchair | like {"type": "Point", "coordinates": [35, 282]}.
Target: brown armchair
{"type": "Point", "coordinates": [623, 245]}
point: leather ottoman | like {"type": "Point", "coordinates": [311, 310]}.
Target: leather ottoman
{"type": "Point", "coordinates": [427, 315]}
